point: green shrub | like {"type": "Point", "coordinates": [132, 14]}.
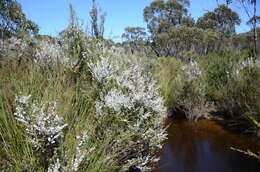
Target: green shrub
{"type": "Point", "coordinates": [181, 85]}
{"type": "Point", "coordinates": [232, 83]}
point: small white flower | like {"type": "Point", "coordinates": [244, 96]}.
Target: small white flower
{"type": "Point", "coordinates": [80, 152]}
{"type": "Point", "coordinates": [55, 167]}
{"type": "Point", "coordinates": [191, 71]}
{"type": "Point", "coordinates": [24, 99]}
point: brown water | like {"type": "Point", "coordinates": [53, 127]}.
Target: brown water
{"type": "Point", "coordinates": [204, 146]}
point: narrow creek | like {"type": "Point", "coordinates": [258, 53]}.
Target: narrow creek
{"type": "Point", "coordinates": [204, 146]}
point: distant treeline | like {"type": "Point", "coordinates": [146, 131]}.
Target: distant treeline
{"type": "Point", "coordinates": [173, 32]}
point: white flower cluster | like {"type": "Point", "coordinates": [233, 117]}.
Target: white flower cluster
{"type": "Point", "coordinates": [42, 122]}
{"type": "Point", "coordinates": [77, 159]}
{"type": "Point", "coordinates": [116, 99]}
{"type": "Point", "coordinates": [80, 153]}
{"type": "Point", "coordinates": [248, 63]}
{"type": "Point", "coordinates": [103, 69]}
{"type": "Point", "coordinates": [14, 44]}
{"type": "Point", "coordinates": [49, 53]}
{"type": "Point", "coordinates": [56, 167]}
{"type": "Point", "coordinates": [135, 91]}
{"type": "Point", "coordinates": [143, 162]}
{"type": "Point", "coordinates": [135, 97]}
{"type": "Point", "coordinates": [70, 33]}
{"type": "Point", "coordinates": [191, 71]}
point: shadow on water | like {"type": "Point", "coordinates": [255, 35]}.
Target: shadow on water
{"type": "Point", "coordinates": [204, 146]}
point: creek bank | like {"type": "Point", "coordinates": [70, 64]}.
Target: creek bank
{"type": "Point", "coordinates": [239, 125]}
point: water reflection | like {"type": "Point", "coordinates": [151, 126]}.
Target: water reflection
{"type": "Point", "coordinates": [204, 146]}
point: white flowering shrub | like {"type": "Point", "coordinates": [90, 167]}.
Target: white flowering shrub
{"type": "Point", "coordinates": [80, 47]}
{"type": "Point", "coordinates": [192, 96]}
{"type": "Point", "coordinates": [191, 71]}
{"type": "Point", "coordinates": [14, 49]}
{"type": "Point", "coordinates": [71, 37]}
{"type": "Point", "coordinates": [73, 41]}
{"type": "Point", "coordinates": [42, 122]}
{"type": "Point", "coordinates": [49, 53]}
{"type": "Point", "coordinates": [249, 63]}
{"type": "Point", "coordinates": [130, 97]}
{"type": "Point", "coordinates": [15, 43]}
{"type": "Point", "coordinates": [44, 127]}
{"type": "Point", "coordinates": [45, 131]}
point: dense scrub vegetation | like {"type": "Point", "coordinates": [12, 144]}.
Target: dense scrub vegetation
{"type": "Point", "coordinates": [79, 102]}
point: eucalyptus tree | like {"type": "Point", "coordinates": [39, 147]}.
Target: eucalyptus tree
{"type": "Point", "coordinates": [249, 7]}
{"type": "Point", "coordinates": [13, 21]}
{"type": "Point", "coordinates": [188, 21]}
{"type": "Point", "coordinates": [161, 17]}
{"type": "Point", "coordinates": [221, 19]}
{"type": "Point", "coordinates": [97, 20]}
{"type": "Point", "coordinates": [134, 37]}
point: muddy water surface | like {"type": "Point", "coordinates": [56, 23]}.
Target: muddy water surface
{"type": "Point", "coordinates": [204, 146]}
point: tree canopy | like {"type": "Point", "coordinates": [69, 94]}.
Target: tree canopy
{"type": "Point", "coordinates": [221, 19]}
{"type": "Point", "coordinates": [14, 21]}
{"type": "Point", "coordinates": [161, 15]}
{"type": "Point", "coordinates": [134, 33]}
{"type": "Point", "coordinates": [134, 36]}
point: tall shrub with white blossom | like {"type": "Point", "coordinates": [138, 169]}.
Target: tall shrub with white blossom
{"type": "Point", "coordinates": [49, 54]}
{"type": "Point", "coordinates": [131, 97]}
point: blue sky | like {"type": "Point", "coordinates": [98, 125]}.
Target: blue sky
{"type": "Point", "coordinates": [52, 15]}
